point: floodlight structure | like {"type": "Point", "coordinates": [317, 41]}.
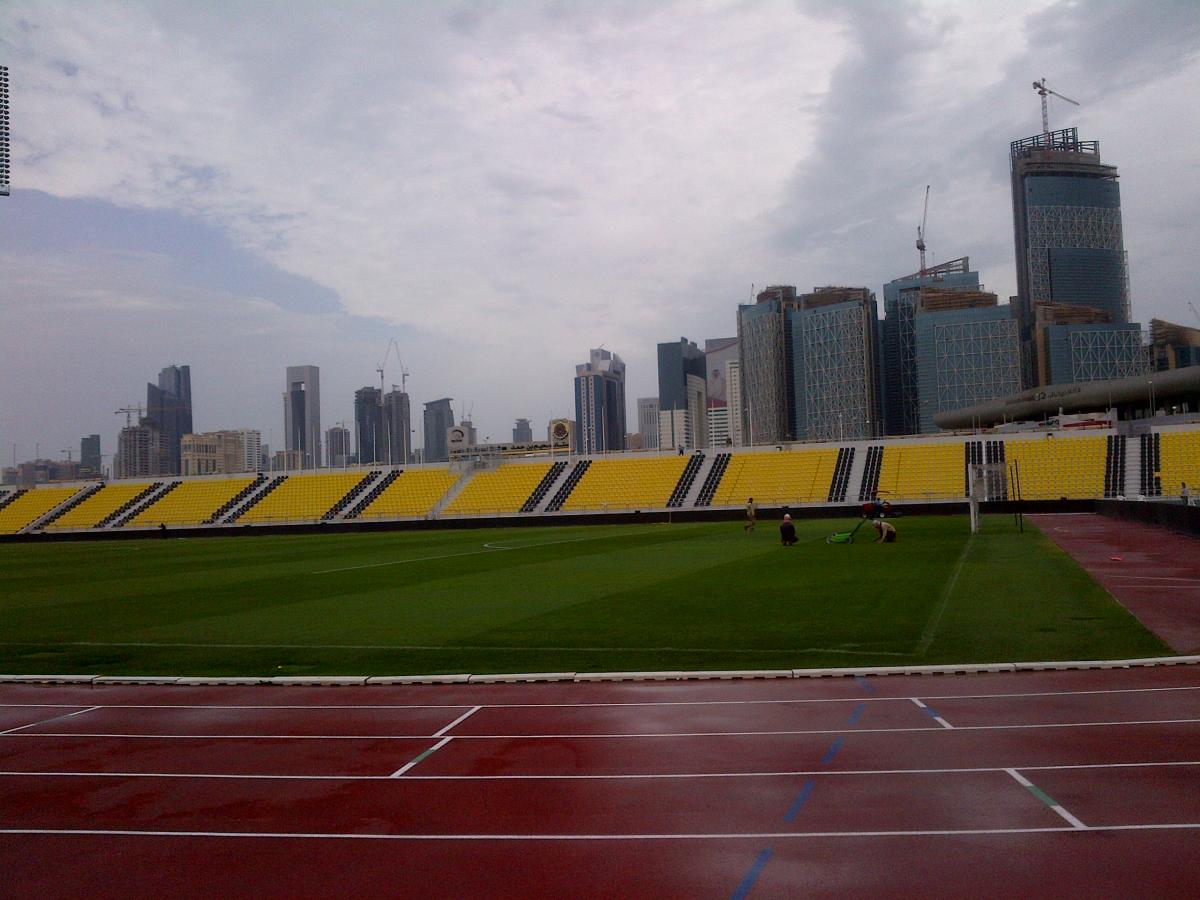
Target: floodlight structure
{"type": "Point", "coordinates": [4, 149]}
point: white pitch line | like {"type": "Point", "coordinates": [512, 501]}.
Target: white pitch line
{"type": "Point", "coordinates": [400, 562]}
{"type": "Point", "coordinates": [1046, 798]}
{"type": "Point", "coordinates": [738, 651]}
{"type": "Point", "coordinates": [51, 719]}
{"type": "Point", "coordinates": [568, 736]}
{"type": "Point", "coordinates": [487, 548]}
{"type": "Point", "coordinates": [931, 627]}
{"type": "Point", "coordinates": [460, 719]}
{"type": "Point", "coordinates": [729, 836]}
{"type": "Point", "coordinates": [627, 776]}
{"type": "Point", "coordinates": [632, 703]}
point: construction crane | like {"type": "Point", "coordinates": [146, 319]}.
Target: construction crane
{"type": "Point", "coordinates": [403, 371]}
{"type": "Point", "coordinates": [921, 232]}
{"type": "Point", "coordinates": [129, 411]}
{"type": "Point", "coordinates": [1192, 307]}
{"type": "Point", "coordinates": [1044, 92]}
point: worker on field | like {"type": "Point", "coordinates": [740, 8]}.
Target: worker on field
{"type": "Point", "coordinates": [787, 532]}
{"type": "Point", "coordinates": [751, 515]}
{"type": "Point", "coordinates": [886, 531]}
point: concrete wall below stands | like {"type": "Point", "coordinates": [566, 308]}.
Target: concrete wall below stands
{"type": "Point", "coordinates": [767, 517]}
{"type": "Point", "coordinates": [1172, 515]}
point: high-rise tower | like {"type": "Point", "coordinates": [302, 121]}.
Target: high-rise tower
{"type": "Point", "coordinates": [600, 403]}
{"type": "Point", "coordinates": [439, 417]}
{"type": "Point", "coordinates": [4, 151]}
{"type": "Point", "coordinates": [1067, 232]}
{"type": "Point", "coordinates": [302, 414]}
{"type": "Point", "coordinates": [169, 409]}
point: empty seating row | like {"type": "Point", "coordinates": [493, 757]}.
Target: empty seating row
{"type": "Point", "coordinates": [1053, 468]}
{"type": "Point", "coordinates": [414, 492]}
{"type": "Point", "coordinates": [98, 506]}
{"type": "Point", "coordinates": [922, 472]}
{"type": "Point", "coordinates": [777, 478]}
{"type": "Point", "coordinates": [502, 490]}
{"type": "Point", "coordinates": [191, 503]}
{"type": "Point", "coordinates": [301, 498]}
{"type": "Point", "coordinates": [1180, 462]}
{"type": "Point", "coordinates": [644, 483]}
{"type": "Point", "coordinates": [31, 506]}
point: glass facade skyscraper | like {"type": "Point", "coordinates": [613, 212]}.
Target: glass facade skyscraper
{"type": "Point", "coordinates": [834, 350]}
{"type": "Point", "coordinates": [765, 361]}
{"type": "Point", "coordinates": [600, 403]}
{"type": "Point", "coordinates": [1067, 232]}
{"type": "Point", "coordinates": [169, 409]}
{"type": "Point", "coordinates": [965, 356]}
{"type": "Point", "coordinates": [439, 418]}
{"type": "Point", "coordinates": [901, 392]}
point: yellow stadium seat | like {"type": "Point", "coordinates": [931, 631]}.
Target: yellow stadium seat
{"type": "Point", "coordinates": [627, 483]}
{"type": "Point", "coordinates": [191, 503]}
{"type": "Point", "coordinates": [777, 478]}
{"type": "Point", "coordinates": [501, 490]}
{"type": "Point", "coordinates": [92, 511]}
{"type": "Point", "coordinates": [1051, 468]}
{"type": "Point", "coordinates": [922, 472]}
{"type": "Point", "coordinates": [1179, 457]}
{"type": "Point", "coordinates": [414, 493]}
{"type": "Point", "coordinates": [302, 498]}
{"type": "Point", "coordinates": [31, 506]}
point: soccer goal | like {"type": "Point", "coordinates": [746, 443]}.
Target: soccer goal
{"type": "Point", "coordinates": [985, 481]}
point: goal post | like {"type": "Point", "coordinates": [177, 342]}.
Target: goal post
{"type": "Point", "coordinates": [985, 481]}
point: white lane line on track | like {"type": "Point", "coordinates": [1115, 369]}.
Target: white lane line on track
{"type": "Point", "coordinates": [563, 737]}
{"type": "Point", "coordinates": [458, 721]}
{"type": "Point", "coordinates": [634, 703]}
{"type": "Point", "coordinates": [77, 712]}
{"type": "Point", "coordinates": [1046, 798]}
{"type": "Point", "coordinates": [420, 756]}
{"type": "Point", "coordinates": [757, 835]}
{"type": "Point", "coordinates": [931, 714]}
{"type": "Point", "coordinates": [631, 776]}
{"type": "Point", "coordinates": [1152, 577]}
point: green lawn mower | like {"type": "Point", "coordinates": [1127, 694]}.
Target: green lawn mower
{"type": "Point", "coordinates": [845, 537]}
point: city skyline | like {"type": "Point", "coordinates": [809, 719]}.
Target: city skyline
{"type": "Point", "coordinates": [112, 271]}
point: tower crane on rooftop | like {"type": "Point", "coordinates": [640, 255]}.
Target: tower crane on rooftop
{"type": "Point", "coordinates": [921, 232]}
{"type": "Point", "coordinates": [1044, 92]}
{"type": "Point", "coordinates": [392, 345]}
{"type": "Point", "coordinates": [1192, 307]}
{"type": "Point", "coordinates": [129, 411]}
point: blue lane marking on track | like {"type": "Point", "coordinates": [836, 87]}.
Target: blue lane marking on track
{"type": "Point", "coordinates": [930, 711]}
{"type": "Point", "coordinates": [857, 714]}
{"type": "Point", "coordinates": [743, 889]}
{"type": "Point", "coordinates": [832, 751]}
{"type": "Point", "coordinates": [864, 684]}
{"type": "Point", "coordinates": [800, 800]}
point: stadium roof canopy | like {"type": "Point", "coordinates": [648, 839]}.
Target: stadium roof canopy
{"type": "Point", "coordinates": [1167, 389]}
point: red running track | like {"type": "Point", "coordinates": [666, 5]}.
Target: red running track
{"type": "Point", "coordinates": [1032, 784]}
{"type": "Point", "coordinates": [1153, 572]}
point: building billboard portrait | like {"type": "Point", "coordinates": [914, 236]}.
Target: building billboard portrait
{"type": "Point", "coordinates": [717, 352]}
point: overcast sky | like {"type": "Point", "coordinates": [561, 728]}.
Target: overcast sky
{"type": "Point", "coordinates": [501, 186]}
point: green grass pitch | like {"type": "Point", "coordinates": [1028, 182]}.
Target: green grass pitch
{"type": "Point", "coordinates": [596, 598]}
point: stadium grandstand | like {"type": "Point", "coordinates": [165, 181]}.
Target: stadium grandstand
{"type": "Point", "coordinates": [1062, 462]}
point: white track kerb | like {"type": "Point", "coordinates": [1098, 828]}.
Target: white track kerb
{"type": "Point", "coordinates": [360, 680]}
